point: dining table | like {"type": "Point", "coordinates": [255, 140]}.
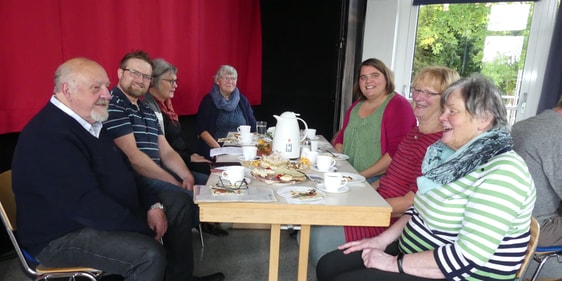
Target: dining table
{"type": "Point", "coordinates": [263, 203]}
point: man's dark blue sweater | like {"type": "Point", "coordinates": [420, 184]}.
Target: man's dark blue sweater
{"type": "Point", "coordinates": [65, 179]}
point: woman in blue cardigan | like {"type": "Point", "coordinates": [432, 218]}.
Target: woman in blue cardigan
{"type": "Point", "coordinates": [222, 111]}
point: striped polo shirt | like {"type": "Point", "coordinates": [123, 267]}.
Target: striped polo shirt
{"type": "Point", "coordinates": [478, 225]}
{"type": "Point", "coordinates": [126, 118]}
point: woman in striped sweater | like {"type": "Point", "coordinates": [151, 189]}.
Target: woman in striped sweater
{"type": "Point", "coordinates": [471, 215]}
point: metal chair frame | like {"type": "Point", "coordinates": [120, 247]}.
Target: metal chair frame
{"type": "Point", "coordinates": [543, 254]}
{"type": "Point", "coordinates": [40, 272]}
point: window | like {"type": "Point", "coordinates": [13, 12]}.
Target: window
{"type": "Point", "coordinates": [487, 38]}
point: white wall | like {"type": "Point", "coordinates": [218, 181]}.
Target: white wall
{"type": "Point", "coordinates": [387, 24]}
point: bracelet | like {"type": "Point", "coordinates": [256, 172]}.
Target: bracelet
{"type": "Point", "coordinates": [399, 263]}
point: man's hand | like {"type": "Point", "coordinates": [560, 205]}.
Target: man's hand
{"type": "Point", "coordinates": [158, 222]}
{"type": "Point", "coordinates": [188, 182]}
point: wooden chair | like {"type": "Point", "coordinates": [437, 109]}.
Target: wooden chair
{"type": "Point", "coordinates": [40, 272]}
{"type": "Point", "coordinates": [535, 232]}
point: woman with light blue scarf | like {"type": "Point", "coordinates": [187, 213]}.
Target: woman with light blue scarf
{"type": "Point", "coordinates": [471, 215]}
{"type": "Point", "coordinates": [222, 111]}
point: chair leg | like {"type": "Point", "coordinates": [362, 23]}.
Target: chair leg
{"type": "Point", "coordinates": [201, 236]}
{"type": "Point", "coordinates": [542, 260]}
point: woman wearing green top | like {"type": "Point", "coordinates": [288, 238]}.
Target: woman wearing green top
{"type": "Point", "coordinates": [376, 122]}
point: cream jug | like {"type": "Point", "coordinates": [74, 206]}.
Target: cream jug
{"type": "Point", "coordinates": [287, 139]}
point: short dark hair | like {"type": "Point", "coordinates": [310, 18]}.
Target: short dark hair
{"type": "Point", "coordinates": [136, 54]}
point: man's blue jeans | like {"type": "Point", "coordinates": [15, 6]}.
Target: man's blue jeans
{"type": "Point", "coordinates": [132, 255]}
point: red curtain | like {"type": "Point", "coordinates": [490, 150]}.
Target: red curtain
{"type": "Point", "coordinates": [195, 35]}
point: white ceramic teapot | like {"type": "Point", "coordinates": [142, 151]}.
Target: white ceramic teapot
{"type": "Point", "coordinates": [287, 139]}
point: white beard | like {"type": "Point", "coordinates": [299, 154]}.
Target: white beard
{"type": "Point", "coordinates": [99, 116]}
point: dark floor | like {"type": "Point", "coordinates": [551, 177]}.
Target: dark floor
{"type": "Point", "coordinates": [242, 255]}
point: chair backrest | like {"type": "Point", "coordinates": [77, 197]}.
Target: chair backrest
{"type": "Point", "coordinates": [535, 232]}
{"type": "Point", "coordinates": [7, 199]}
{"type": "Point", "coordinates": [8, 215]}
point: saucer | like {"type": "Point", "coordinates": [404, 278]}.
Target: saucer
{"type": "Point", "coordinates": [314, 168]}
{"type": "Point", "coordinates": [241, 158]}
{"type": "Point", "coordinates": [339, 190]}
{"type": "Point", "coordinates": [300, 194]}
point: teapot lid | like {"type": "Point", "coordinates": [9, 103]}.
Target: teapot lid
{"type": "Point", "coordinates": [289, 114]}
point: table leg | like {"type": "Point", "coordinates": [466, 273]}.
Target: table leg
{"type": "Point", "coordinates": [304, 244]}
{"type": "Point", "coordinates": [274, 244]}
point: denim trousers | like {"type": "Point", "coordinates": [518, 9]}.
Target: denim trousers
{"type": "Point", "coordinates": [132, 255]}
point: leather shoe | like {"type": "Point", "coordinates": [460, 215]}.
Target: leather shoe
{"type": "Point", "coordinates": [213, 229]}
{"type": "Point", "coordinates": [213, 277]}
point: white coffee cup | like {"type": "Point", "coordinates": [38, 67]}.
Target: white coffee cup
{"type": "Point", "coordinates": [325, 162]}
{"type": "Point", "coordinates": [314, 145]}
{"type": "Point", "coordinates": [334, 181]}
{"type": "Point", "coordinates": [311, 133]}
{"type": "Point", "coordinates": [233, 174]}
{"type": "Point", "coordinates": [249, 152]}
{"type": "Point", "coordinates": [244, 129]}
{"type": "Point", "coordinates": [311, 156]}
{"type": "Point", "coordinates": [245, 138]}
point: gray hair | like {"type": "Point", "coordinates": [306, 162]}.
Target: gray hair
{"type": "Point", "coordinates": [226, 70]}
{"type": "Point", "coordinates": [161, 67]}
{"type": "Point", "coordinates": [481, 97]}
{"type": "Point", "coordinates": [67, 72]}
{"type": "Point", "coordinates": [61, 76]}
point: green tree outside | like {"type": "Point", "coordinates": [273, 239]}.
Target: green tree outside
{"type": "Point", "coordinates": [453, 35]}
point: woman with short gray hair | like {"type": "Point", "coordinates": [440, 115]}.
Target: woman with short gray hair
{"type": "Point", "coordinates": [222, 111]}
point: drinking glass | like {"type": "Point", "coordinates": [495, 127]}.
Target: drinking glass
{"type": "Point", "coordinates": [261, 127]}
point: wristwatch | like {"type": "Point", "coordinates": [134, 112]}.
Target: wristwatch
{"type": "Point", "coordinates": [157, 205]}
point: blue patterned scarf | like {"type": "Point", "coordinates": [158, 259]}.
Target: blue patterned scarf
{"type": "Point", "coordinates": [221, 102]}
{"type": "Point", "coordinates": [442, 165]}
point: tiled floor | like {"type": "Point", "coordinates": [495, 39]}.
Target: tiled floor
{"type": "Point", "coordinates": [242, 255]}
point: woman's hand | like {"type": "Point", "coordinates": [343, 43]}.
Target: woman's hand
{"type": "Point", "coordinates": [377, 258]}
{"type": "Point", "coordinates": [196, 158]}
{"type": "Point", "coordinates": [369, 243]}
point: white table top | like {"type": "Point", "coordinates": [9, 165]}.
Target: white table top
{"type": "Point", "coordinates": [361, 199]}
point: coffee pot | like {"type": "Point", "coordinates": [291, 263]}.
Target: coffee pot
{"type": "Point", "coordinates": [287, 139]}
